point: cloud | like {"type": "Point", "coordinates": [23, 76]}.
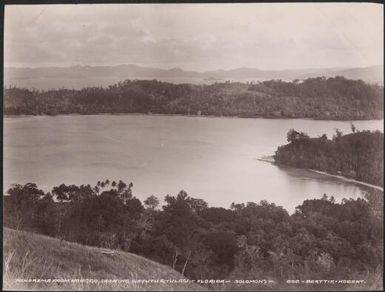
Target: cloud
{"type": "Point", "coordinates": [195, 36]}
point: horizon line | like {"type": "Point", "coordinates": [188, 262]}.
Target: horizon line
{"type": "Point", "coordinates": [192, 70]}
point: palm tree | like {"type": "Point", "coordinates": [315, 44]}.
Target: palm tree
{"type": "Point", "coordinates": [121, 186]}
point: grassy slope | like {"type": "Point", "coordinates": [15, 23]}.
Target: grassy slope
{"type": "Point", "coordinates": [28, 256]}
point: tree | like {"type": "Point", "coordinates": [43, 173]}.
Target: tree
{"type": "Point", "coordinates": [29, 192]}
{"type": "Point", "coordinates": [323, 137]}
{"type": "Point", "coordinates": [237, 207]}
{"type": "Point", "coordinates": [134, 205]}
{"type": "Point", "coordinates": [338, 134]}
{"type": "Point", "coordinates": [96, 189]}
{"type": "Point", "coordinates": [303, 135]}
{"type": "Point", "coordinates": [197, 205]}
{"type": "Point", "coordinates": [224, 246]}
{"type": "Point", "coordinates": [353, 127]}
{"type": "Point", "coordinates": [151, 202]}
{"type": "Point", "coordinates": [121, 186]}
{"type": "Point", "coordinates": [179, 223]}
{"type": "Point", "coordinates": [293, 135]}
{"type": "Point", "coordinates": [45, 216]}
{"type": "Point", "coordinates": [22, 203]}
{"type": "Point", "coordinates": [177, 206]}
{"type": "Point", "coordinates": [70, 192]}
{"type": "Point", "coordinates": [126, 193]}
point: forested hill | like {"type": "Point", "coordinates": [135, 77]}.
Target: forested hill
{"type": "Point", "coordinates": [323, 239]}
{"type": "Point", "coordinates": [318, 98]}
{"type": "Point", "coordinates": [357, 155]}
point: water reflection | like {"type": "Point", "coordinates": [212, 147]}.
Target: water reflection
{"type": "Point", "coordinates": [316, 185]}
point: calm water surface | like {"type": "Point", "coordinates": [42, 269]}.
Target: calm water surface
{"type": "Point", "coordinates": [210, 158]}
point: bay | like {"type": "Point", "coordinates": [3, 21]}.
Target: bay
{"type": "Point", "coordinates": [212, 158]}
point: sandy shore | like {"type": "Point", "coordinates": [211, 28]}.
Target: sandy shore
{"type": "Point", "coordinates": [349, 179]}
{"type": "Point", "coordinates": [270, 159]}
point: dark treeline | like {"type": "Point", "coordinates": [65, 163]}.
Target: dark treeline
{"type": "Point", "coordinates": [358, 155]}
{"type": "Point", "coordinates": [318, 98]}
{"type": "Point", "coordinates": [323, 239]}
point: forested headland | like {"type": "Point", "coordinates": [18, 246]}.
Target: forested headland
{"type": "Point", "coordinates": [323, 239]}
{"type": "Point", "coordinates": [358, 155]}
{"type": "Point", "coordinates": [335, 98]}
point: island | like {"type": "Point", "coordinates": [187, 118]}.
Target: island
{"type": "Point", "coordinates": [334, 98]}
{"type": "Point", "coordinates": [358, 155]}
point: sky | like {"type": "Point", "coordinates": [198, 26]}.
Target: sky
{"type": "Point", "coordinates": [195, 36]}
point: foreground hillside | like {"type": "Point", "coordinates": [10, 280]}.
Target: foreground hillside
{"type": "Point", "coordinates": [32, 256]}
{"type": "Point", "coordinates": [318, 98]}
{"type": "Point", "coordinates": [323, 239]}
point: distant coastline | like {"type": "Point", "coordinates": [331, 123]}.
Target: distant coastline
{"type": "Point", "coordinates": [184, 115]}
{"type": "Point", "coordinates": [370, 74]}
{"type": "Point", "coordinates": [315, 98]}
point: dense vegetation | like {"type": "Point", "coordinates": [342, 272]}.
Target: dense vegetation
{"type": "Point", "coordinates": [318, 98]}
{"type": "Point", "coordinates": [323, 239]}
{"type": "Point", "coordinates": [358, 155]}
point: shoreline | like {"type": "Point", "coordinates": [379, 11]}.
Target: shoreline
{"type": "Point", "coordinates": [348, 179]}
{"type": "Point", "coordinates": [270, 159]}
{"type": "Point", "coordinates": [192, 116]}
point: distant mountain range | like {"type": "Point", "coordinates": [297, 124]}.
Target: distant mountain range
{"type": "Point", "coordinates": [373, 74]}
